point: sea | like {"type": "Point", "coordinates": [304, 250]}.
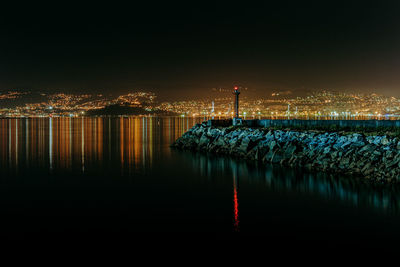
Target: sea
{"type": "Point", "coordinates": [116, 180]}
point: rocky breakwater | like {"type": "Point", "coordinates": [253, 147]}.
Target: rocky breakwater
{"type": "Point", "coordinates": [373, 157]}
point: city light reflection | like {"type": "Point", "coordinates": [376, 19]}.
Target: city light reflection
{"type": "Point", "coordinates": [71, 144]}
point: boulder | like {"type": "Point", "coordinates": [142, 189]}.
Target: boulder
{"type": "Point", "coordinates": [374, 157]}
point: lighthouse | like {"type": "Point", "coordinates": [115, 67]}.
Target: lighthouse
{"type": "Point", "coordinates": [236, 119]}
{"type": "Point", "coordinates": [236, 93]}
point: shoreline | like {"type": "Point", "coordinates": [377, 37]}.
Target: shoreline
{"type": "Point", "coordinates": [375, 158]}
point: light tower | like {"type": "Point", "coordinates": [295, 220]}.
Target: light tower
{"type": "Point", "coordinates": [236, 93]}
{"type": "Point", "coordinates": [236, 120]}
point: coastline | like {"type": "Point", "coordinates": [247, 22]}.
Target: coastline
{"type": "Point", "coordinates": [373, 157]}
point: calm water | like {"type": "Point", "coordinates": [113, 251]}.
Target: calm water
{"type": "Point", "coordinates": [117, 178]}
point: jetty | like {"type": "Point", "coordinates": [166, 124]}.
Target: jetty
{"type": "Point", "coordinates": [365, 148]}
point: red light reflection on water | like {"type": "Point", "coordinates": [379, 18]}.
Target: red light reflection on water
{"type": "Point", "coordinates": [235, 207]}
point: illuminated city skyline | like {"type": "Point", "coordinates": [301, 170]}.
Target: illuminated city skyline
{"type": "Point", "coordinates": [326, 104]}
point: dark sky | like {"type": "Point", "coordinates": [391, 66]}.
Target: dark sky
{"type": "Point", "coordinates": [186, 49]}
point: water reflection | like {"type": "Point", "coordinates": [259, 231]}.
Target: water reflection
{"type": "Point", "coordinates": [131, 145]}
{"type": "Point", "coordinates": [66, 144]}
{"type": "Point", "coordinates": [235, 202]}
{"type": "Point", "coordinates": [346, 190]}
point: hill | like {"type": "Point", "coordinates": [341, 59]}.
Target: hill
{"type": "Point", "coordinates": [126, 110]}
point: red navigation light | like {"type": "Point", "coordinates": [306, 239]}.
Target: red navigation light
{"type": "Point", "coordinates": [235, 88]}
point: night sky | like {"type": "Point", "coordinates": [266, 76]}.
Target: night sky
{"type": "Point", "coordinates": [183, 50]}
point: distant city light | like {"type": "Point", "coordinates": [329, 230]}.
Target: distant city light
{"type": "Point", "coordinates": [324, 104]}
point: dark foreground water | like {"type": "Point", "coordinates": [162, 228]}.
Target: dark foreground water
{"type": "Point", "coordinates": [116, 179]}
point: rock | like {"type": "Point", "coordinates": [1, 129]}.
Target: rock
{"type": "Point", "coordinates": [204, 140]}
{"type": "Point", "coordinates": [327, 150]}
{"type": "Point", "coordinates": [278, 156]}
{"type": "Point", "coordinates": [376, 152]}
{"type": "Point", "coordinates": [385, 141]}
{"type": "Point", "coordinates": [272, 145]}
{"type": "Point", "coordinates": [244, 145]}
{"type": "Point", "coordinates": [290, 150]}
{"type": "Point", "coordinates": [376, 157]}
{"type": "Point", "coordinates": [268, 156]}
